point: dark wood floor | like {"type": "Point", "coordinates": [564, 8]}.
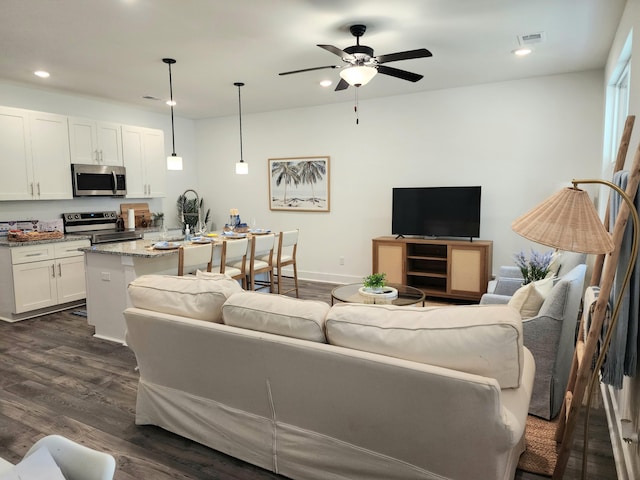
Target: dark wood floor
{"type": "Point", "coordinates": [56, 378]}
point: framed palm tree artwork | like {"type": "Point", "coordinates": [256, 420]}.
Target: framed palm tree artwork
{"type": "Point", "coordinates": [299, 184]}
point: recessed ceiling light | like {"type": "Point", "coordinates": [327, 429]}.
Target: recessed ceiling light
{"type": "Point", "coordinates": [326, 83]}
{"type": "Point", "coordinates": [521, 52]}
{"type": "Point", "coordinates": [171, 103]}
{"type": "Point", "coordinates": [41, 74]}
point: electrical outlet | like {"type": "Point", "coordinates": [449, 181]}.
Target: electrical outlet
{"type": "Point", "coordinates": [106, 276]}
{"type": "Point", "coordinates": [341, 260]}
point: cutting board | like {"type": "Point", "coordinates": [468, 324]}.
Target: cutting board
{"type": "Point", "coordinates": [141, 211]}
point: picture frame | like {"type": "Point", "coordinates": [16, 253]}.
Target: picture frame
{"type": "Point", "coordinates": [299, 184]}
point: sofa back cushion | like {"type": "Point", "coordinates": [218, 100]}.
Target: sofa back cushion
{"type": "Point", "coordinates": [291, 317]}
{"type": "Point", "coordinates": [188, 296]}
{"type": "Point", "coordinates": [480, 339]}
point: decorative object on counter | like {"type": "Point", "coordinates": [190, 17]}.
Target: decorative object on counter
{"type": "Point", "coordinates": [190, 212]}
{"type": "Point", "coordinates": [157, 219]}
{"type": "Point", "coordinates": [131, 219]}
{"type": "Point", "coordinates": [30, 236]}
{"type": "Point", "coordinates": [141, 213]}
{"type": "Point", "coordinates": [374, 283]}
{"type": "Point", "coordinates": [242, 168]}
{"type": "Point", "coordinates": [174, 162]}
{"type": "Point", "coordinates": [536, 268]}
{"type": "Point", "coordinates": [300, 184]}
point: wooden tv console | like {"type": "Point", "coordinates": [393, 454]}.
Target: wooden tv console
{"type": "Point", "coordinates": [457, 269]}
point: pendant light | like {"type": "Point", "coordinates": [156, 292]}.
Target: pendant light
{"type": "Point", "coordinates": [174, 162]}
{"type": "Point", "coordinates": [242, 168]}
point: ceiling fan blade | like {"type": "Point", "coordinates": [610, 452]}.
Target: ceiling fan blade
{"type": "Point", "coordinates": [408, 55]}
{"type": "Point", "coordinates": [342, 85]}
{"type": "Point", "coordinates": [308, 69]}
{"type": "Point", "coordinates": [336, 51]}
{"type": "Point", "coordinates": [396, 72]}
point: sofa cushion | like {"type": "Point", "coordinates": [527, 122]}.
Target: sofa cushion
{"type": "Point", "coordinates": [291, 317]}
{"type": "Point", "coordinates": [188, 296]}
{"type": "Point", "coordinates": [480, 339]}
{"type": "Point", "coordinates": [529, 298]}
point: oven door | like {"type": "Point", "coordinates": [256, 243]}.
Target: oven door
{"type": "Point", "coordinates": [98, 180]}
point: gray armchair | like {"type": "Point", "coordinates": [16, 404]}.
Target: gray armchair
{"type": "Point", "coordinates": [550, 336]}
{"type": "Point", "coordinates": [509, 278]}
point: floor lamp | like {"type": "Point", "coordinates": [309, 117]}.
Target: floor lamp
{"type": "Point", "coordinates": [568, 221]}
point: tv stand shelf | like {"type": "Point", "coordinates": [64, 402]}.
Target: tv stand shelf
{"type": "Point", "coordinates": [457, 269]}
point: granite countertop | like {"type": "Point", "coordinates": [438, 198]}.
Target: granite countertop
{"type": "Point", "coordinates": [67, 238]}
{"type": "Point", "coordinates": [133, 248]}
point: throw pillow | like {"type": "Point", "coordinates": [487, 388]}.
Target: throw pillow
{"type": "Point", "coordinates": [188, 296]}
{"type": "Point", "coordinates": [529, 298]}
{"type": "Point", "coordinates": [277, 314]}
{"type": "Point", "coordinates": [483, 340]}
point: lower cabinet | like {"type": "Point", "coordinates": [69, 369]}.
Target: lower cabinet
{"type": "Point", "coordinates": [47, 275]}
{"type": "Point", "coordinates": [440, 268]}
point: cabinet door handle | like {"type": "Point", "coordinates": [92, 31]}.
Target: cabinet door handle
{"type": "Point", "coordinates": [59, 269]}
{"type": "Point", "coordinates": [101, 157]}
{"type": "Point", "coordinates": [31, 187]}
{"type": "Point", "coordinates": [53, 271]}
{"type": "Point", "coordinates": [38, 188]}
{"type": "Point", "coordinates": [33, 254]}
{"type": "Point", "coordinates": [97, 155]}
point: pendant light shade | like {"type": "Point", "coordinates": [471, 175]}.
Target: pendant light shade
{"type": "Point", "coordinates": [174, 162]}
{"type": "Point", "coordinates": [242, 168]}
{"type": "Point", "coordinates": [358, 75]}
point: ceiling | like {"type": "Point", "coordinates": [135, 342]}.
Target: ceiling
{"type": "Point", "coordinates": [113, 49]}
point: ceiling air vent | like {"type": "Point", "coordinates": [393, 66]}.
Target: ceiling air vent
{"type": "Point", "coordinates": [531, 38]}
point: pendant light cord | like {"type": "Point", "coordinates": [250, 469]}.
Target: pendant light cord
{"type": "Point", "coordinates": [240, 84]}
{"type": "Point", "coordinates": [169, 61]}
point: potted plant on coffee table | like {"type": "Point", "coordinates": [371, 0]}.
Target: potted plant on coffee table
{"type": "Point", "coordinates": [375, 282]}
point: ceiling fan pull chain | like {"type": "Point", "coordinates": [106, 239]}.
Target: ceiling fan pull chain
{"type": "Point", "coordinates": [355, 109]}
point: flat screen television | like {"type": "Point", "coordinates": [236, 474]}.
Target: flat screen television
{"type": "Point", "coordinates": [436, 211]}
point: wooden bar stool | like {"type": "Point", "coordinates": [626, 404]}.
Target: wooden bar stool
{"type": "Point", "coordinates": [233, 260]}
{"type": "Point", "coordinates": [190, 257]}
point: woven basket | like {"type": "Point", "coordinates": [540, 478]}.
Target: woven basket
{"type": "Point", "coordinates": [33, 236]}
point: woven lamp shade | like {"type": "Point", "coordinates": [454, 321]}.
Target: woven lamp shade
{"type": "Point", "coordinates": [567, 221]}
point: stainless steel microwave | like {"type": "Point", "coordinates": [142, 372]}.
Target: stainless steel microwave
{"type": "Point", "coordinates": [98, 180]}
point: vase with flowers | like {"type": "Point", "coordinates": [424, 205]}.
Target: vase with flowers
{"type": "Point", "coordinates": [536, 267]}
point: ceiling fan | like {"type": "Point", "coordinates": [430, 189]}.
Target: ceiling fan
{"type": "Point", "coordinates": [361, 64]}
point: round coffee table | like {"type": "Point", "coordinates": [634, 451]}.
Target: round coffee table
{"type": "Point", "coordinates": [350, 294]}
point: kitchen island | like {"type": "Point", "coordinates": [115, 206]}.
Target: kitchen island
{"type": "Point", "coordinates": [109, 270]}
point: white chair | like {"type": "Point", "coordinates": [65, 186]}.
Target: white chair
{"type": "Point", "coordinates": [260, 259]}
{"type": "Point", "coordinates": [233, 259]}
{"type": "Point", "coordinates": [76, 462]}
{"type": "Point", "coordinates": [285, 256]}
{"type": "Point", "coordinates": [191, 257]}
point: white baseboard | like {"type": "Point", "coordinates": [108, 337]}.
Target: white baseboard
{"type": "Point", "coordinates": [626, 455]}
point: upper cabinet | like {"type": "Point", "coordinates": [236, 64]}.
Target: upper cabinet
{"type": "Point", "coordinates": [144, 159]}
{"type": "Point", "coordinates": [94, 142]}
{"type": "Point", "coordinates": [36, 145]}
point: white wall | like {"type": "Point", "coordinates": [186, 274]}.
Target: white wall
{"type": "Point", "coordinates": [520, 140]}
{"type": "Point", "coordinates": [624, 404]}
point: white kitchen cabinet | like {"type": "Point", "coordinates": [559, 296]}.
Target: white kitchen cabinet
{"type": "Point", "coordinates": [94, 142]}
{"type": "Point", "coordinates": [144, 159]}
{"type": "Point", "coordinates": [51, 160]}
{"type": "Point", "coordinates": [35, 147]}
{"type": "Point", "coordinates": [15, 142]}
{"type": "Point", "coordinates": [48, 274]}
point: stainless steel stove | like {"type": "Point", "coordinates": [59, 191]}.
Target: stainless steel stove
{"type": "Point", "coordinates": [102, 227]}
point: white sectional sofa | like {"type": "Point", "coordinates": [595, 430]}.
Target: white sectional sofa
{"type": "Point", "coordinates": [344, 392]}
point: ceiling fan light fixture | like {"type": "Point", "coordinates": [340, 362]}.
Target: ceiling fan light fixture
{"type": "Point", "coordinates": [358, 75]}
